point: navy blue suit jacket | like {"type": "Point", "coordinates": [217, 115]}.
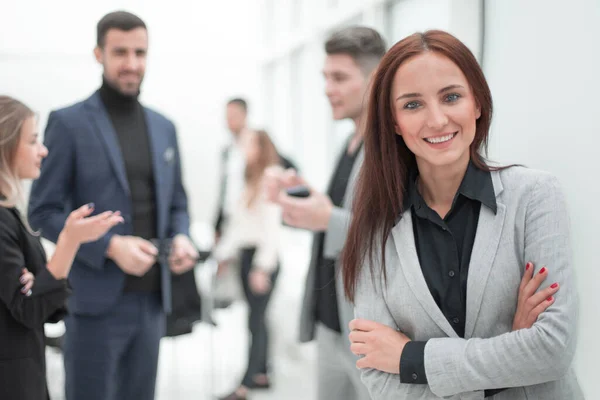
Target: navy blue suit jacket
{"type": "Point", "coordinates": [85, 165]}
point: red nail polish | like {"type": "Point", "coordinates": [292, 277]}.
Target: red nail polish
{"type": "Point", "coordinates": [554, 285]}
{"type": "Point", "coordinates": [542, 270]}
{"type": "Point", "coordinates": [549, 298]}
{"type": "Point", "coordinates": [527, 266]}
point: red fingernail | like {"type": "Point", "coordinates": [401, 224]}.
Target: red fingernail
{"type": "Point", "coordinates": [542, 270]}
{"type": "Point", "coordinates": [527, 266]}
{"type": "Point", "coordinates": [549, 298]}
{"type": "Point", "coordinates": [554, 285]}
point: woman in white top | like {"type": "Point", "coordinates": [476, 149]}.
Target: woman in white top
{"type": "Point", "coordinates": [252, 239]}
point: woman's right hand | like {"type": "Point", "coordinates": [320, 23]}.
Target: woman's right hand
{"type": "Point", "coordinates": [81, 228]}
{"type": "Point", "coordinates": [531, 302]}
{"type": "Point", "coordinates": [27, 280]}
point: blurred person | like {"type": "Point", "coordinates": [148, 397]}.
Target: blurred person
{"type": "Point", "coordinates": [33, 290]}
{"type": "Point", "coordinates": [111, 149]}
{"type": "Point", "coordinates": [446, 253]}
{"type": "Point", "coordinates": [232, 169]}
{"type": "Point", "coordinates": [352, 56]}
{"type": "Point", "coordinates": [233, 163]}
{"type": "Point", "coordinates": [252, 239]}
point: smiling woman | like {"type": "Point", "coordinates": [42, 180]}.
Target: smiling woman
{"type": "Point", "coordinates": [442, 248]}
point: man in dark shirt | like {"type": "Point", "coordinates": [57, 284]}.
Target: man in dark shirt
{"type": "Point", "coordinates": [352, 56]}
{"type": "Point", "coordinates": [111, 150]}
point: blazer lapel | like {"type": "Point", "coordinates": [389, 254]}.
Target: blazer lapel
{"type": "Point", "coordinates": [409, 262]}
{"type": "Point", "coordinates": [108, 136]}
{"type": "Point", "coordinates": [487, 239]}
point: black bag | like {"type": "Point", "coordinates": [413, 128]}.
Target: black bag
{"type": "Point", "coordinates": [187, 305]}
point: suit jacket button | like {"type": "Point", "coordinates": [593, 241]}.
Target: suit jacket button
{"type": "Point", "coordinates": [415, 376]}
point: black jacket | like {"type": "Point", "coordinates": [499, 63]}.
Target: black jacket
{"type": "Point", "coordinates": [22, 318]}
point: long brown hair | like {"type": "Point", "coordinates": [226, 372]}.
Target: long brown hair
{"type": "Point", "coordinates": [267, 156]}
{"type": "Point", "coordinates": [382, 180]}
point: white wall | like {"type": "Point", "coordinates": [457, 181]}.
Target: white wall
{"type": "Point", "coordinates": [544, 75]}
{"type": "Point", "coordinates": [200, 54]}
{"type": "Point", "coordinates": [296, 111]}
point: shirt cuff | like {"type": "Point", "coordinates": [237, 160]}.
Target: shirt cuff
{"type": "Point", "coordinates": [412, 363]}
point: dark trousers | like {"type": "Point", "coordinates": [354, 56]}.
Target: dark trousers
{"type": "Point", "coordinates": [114, 356]}
{"type": "Point", "coordinates": [257, 303]}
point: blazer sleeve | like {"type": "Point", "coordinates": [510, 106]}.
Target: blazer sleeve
{"type": "Point", "coordinates": [337, 230]}
{"type": "Point", "coordinates": [370, 304]}
{"type": "Point", "coordinates": [180, 218]}
{"type": "Point", "coordinates": [49, 295]}
{"type": "Point", "coordinates": [525, 357]}
{"type": "Point", "coordinates": [50, 199]}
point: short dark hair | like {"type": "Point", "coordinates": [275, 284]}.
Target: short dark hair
{"type": "Point", "coordinates": [364, 45]}
{"type": "Point", "coordinates": [240, 102]}
{"type": "Point", "coordinates": [121, 20]}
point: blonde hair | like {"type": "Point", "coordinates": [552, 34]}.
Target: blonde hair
{"type": "Point", "coordinates": [267, 156]}
{"type": "Point", "coordinates": [13, 114]}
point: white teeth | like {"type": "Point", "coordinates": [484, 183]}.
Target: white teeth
{"type": "Point", "coordinates": [440, 139]}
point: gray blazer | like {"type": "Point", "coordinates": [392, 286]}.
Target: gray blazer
{"type": "Point", "coordinates": [531, 224]}
{"type": "Point", "coordinates": [335, 237]}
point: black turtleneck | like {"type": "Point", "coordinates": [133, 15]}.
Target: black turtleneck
{"type": "Point", "coordinates": [128, 119]}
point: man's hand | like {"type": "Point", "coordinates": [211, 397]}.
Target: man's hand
{"type": "Point", "coordinates": [134, 255]}
{"type": "Point", "coordinates": [311, 213]}
{"type": "Point", "coordinates": [183, 255]}
{"type": "Point", "coordinates": [380, 345]}
{"type": "Point", "coordinates": [276, 180]}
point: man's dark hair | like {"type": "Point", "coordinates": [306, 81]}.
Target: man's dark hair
{"type": "Point", "coordinates": [364, 45]}
{"type": "Point", "coordinates": [121, 20]}
{"type": "Point", "coordinates": [239, 102]}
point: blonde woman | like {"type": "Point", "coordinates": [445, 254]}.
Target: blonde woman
{"type": "Point", "coordinates": [32, 289]}
{"type": "Point", "coordinates": [252, 239]}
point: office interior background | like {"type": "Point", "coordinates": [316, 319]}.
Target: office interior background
{"type": "Point", "coordinates": [541, 57]}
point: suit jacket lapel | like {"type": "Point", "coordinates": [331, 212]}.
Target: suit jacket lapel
{"type": "Point", "coordinates": [108, 136]}
{"type": "Point", "coordinates": [487, 239]}
{"type": "Point", "coordinates": [409, 262]}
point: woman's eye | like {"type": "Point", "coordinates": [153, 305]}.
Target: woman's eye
{"type": "Point", "coordinates": [411, 105]}
{"type": "Point", "coordinates": [451, 98]}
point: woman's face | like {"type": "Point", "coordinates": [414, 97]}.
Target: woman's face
{"type": "Point", "coordinates": [434, 110]}
{"type": "Point", "coordinates": [30, 151]}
